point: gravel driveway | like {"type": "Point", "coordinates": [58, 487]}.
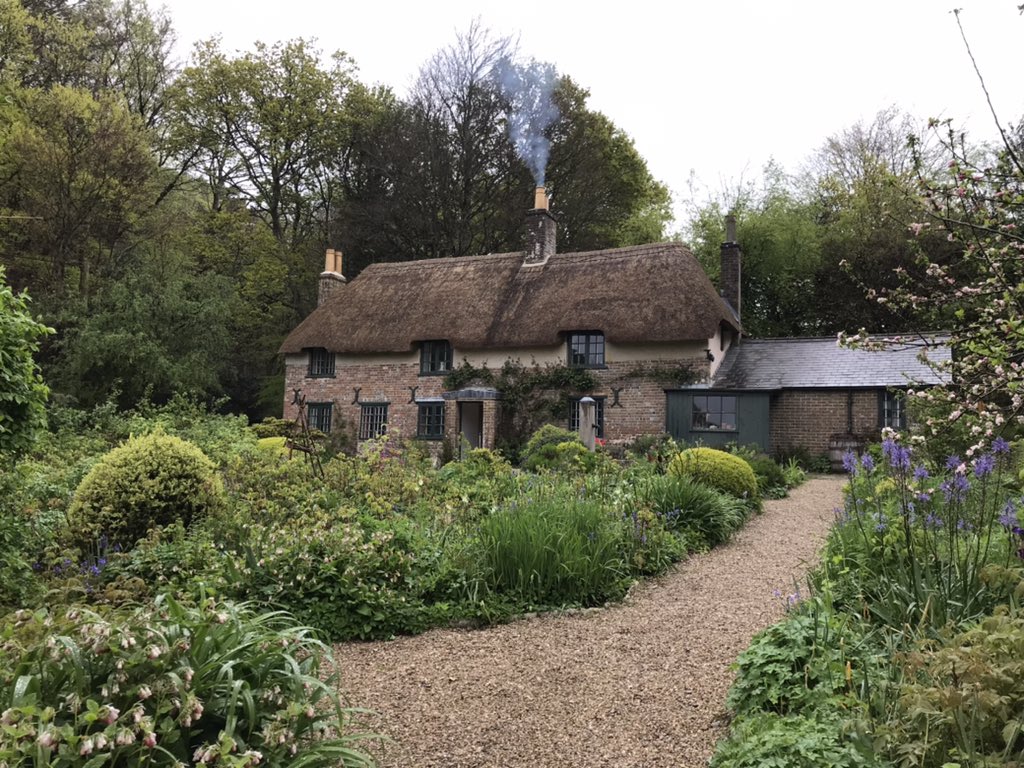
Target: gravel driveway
{"type": "Point", "coordinates": [637, 684]}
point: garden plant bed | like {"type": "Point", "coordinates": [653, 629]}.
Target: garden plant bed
{"type": "Point", "coordinates": [642, 683]}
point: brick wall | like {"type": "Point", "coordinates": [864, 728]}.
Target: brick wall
{"type": "Point", "coordinates": [641, 408]}
{"type": "Point", "coordinates": [805, 418]}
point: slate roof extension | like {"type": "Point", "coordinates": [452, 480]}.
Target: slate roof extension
{"type": "Point", "coordinates": [803, 363]}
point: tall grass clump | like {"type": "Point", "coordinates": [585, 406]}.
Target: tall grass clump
{"type": "Point", "coordinates": [687, 503]}
{"type": "Point", "coordinates": [552, 547]}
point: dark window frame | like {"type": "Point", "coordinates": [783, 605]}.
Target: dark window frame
{"type": "Point", "coordinates": [430, 426]}
{"type": "Point", "coordinates": [574, 415]}
{"type": "Point", "coordinates": [893, 402]}
{"type": "Point", "coordinates": [714, 412]}
{"type": "Point", "coordinates": [435, 357]}
{"type": "Point", "coordinates": [321, 363]}
{"type": "Point", "coordinates": [373, 420]}
{"type": "Point", "coordinates": [315, 413]}
{"type": "Point", "coordinates": [585, 349]}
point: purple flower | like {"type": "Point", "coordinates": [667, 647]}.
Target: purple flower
{"type": "Point", "coordinates": [963, 525]}
{"type": "Point", "coordinates": [956, 489]}
{"type": "Point", "coordinates": [953, 462]}
{"type": "Point", "coordinates": [1009, 517]}
{"type": "Point", "coordinates": [899, 457]}
{"type": "Point", "coordinates": [887, 447]}
{"type": "Point", "coordinates": [920, 473]}
{"type": "Point", "coordinates": [923, 496]}
{"type": "Point", "coordinates": [881, 522]}
{"type": "Point", "coordinates": [932, 521]}
{"type": "Point", "coordinates": [850, 462]}
{"type": "Point", "coordinates": [1000, 446]}
{"type": "Point", "coordinates": [867, 462]}
{"type": "Point", "coordinates": [984, 464]}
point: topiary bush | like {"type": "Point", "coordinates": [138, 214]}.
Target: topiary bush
{"type": "Point", "coordinates": [150, 480]}
{"type": "Point", "coordinates": [540, 447]}
{"type": "Point", "coordinates": [718, 469]}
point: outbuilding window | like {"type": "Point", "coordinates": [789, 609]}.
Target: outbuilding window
{"type": "Point", "coordinates": [430, 421]}
{"type": "Point", "coordinates": [373, 420]}
{"type": "Point", "coordinates": [435, 357]}
{"type": "Point", "coordinates": [321, 362]}
{"type": "Point", "coordinates": [574, 416]}
{"type": "Point", "coordinates": [586, 349]}
{"type": "Point", "coordinates": [714, 412]}
{"type": "Point", "coordinates": [318, 416]}
{"type": "Point", "coordinates": [894, 409]}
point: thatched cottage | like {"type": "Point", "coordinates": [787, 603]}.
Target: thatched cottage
{"type": "Point", "coordinates": [661, 341]}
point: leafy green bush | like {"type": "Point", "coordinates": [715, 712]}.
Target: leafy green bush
{"type": "Point", "coordinates": [817, 739]}
{"type": "Point", "coordinates": [964, 700]}
{"type": "Point", "coordinates": [686, 503]}
{"type": "Point", "coordinates": [771, 480]}
{"type": "Point", "coordinates": [718, 469]}
{"type": "Point", "coordinates": [150, 480]}
{"type": "Point", "coordinates": [168, 685]}
{"type": "Point", "coordinates": [554, 448]}
{"type": "Point", "coordinates": [793, 474]}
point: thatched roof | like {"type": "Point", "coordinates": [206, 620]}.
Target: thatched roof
{"type": "Point", "coordinates": [645, 293]}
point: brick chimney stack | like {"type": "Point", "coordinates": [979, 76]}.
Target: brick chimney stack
{"type": "Point", "coordinates": [331, 278]}
{"type": "Point", "coordinates": [541, 227]}
{"type": "Point", "coordinates": [732, 270]}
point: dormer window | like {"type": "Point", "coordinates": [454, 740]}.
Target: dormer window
{"type": "Point", "coordinates": [435, 358]}
{"type": "Point", "coordinates": [586, 349]}
{"type": "Point", "coordinates": [321, 362]}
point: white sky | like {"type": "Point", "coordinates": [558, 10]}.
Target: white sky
{"type": "Point", "coordinates": [715, 88]}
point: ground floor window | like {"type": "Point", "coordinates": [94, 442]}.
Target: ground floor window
{"type": "Point", "coordinates": [714, 412]}
{"type": "Point", "coordinates": [574, 416]}
{"type": "Point", "coordinates": [430, 421]}
{"type": "Point", "coordinates": [318, 416]}
{"type": "Point", "coordinates": [894, 409]}
{"type": "Point", "coordinates": [373, 420]}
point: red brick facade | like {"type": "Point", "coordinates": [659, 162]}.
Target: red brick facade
{"type": "Point", "coordinates": [807, 418]}
{"type": "Point", "coordinates": [640, 408]}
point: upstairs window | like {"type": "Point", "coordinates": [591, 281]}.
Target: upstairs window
{"type": "Point", "coordinates": [318, 416]}
{"type": "Point", "coordinates": [435, 357]}
{"type": "Point", "coordinates": [894, 410]}
{"type": "Point", "coordinates": [373, 420]}
{"type": "Point", "coordinates": [714, 412]}
{"type": "Point", "coordinates": [586, 349]}
{"type": "Point", "coordinates": [574, 416]}
{"type": "Point", "coordinates": [321, 362]}
{"type": "Point", "coordinates": [430, 421]}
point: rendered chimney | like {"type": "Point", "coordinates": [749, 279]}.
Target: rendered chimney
{"type": "Point", "coordinates": [731, 275]}
{"type": "Point", "coordinates": [541, 228]}
{"type": "Point", "coordinates": [331, 278]}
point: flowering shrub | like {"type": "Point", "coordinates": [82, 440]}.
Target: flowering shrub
{"type": "Point", "coordinates": [919, 544]}
{"type": "Point", "coordinates": [168, 685]}
{"type": "Point", "coordinates": [150, 480]}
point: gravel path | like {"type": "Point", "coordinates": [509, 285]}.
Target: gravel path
{"type": "Point", "coordinates": [637, 684]}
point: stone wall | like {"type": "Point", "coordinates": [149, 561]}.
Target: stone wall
{"type": "Point", "coordinates": [807, 418]}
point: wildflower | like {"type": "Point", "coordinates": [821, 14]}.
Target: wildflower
{"type": "Point", "coordinates": [1000, 446]}
{"type": "Point", "coordinates": [100, 741]}
{"type": "Point", "coordinates": [48, 738]}
{"type": "Point", "coordinates": [953, 462]}
{"type": "Point", "coordinates": [850, 462]}
{"type": "Point", "coordinates": [881, 523]}
{"type": "Point", "coordinates": [867, 462]}
{"type": "Point", "coordinates": [86, 747]}
{"type": "Point", "coordinates": [964, 525]}
{"type": "Point", "coordinates": [149, 739]}
{"type": "Point", "coordinates": [932, 521]}
{"type": "Point", "coordinates": [109, 714]}
{"type": "Point", "coordinates": [145, 692]}
{"type": "Point", "coordinates": [920, 473]}
{"type": "Point", "coordinates": [923, 496]}
{"type": "Point", "coordinates": [983, 465]}
{"type": "Point", "coordinates": [154, 651]}
{"type": "Point", "coordinates": [899, 457]}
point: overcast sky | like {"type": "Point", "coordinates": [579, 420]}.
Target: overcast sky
{"type": "Point", "coordinates": [713, 88]}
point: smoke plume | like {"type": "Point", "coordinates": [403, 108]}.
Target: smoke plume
{"type": "Point", "coordinates": [528, 89]}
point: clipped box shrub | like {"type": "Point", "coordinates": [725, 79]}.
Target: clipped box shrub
{"type": "Point", "coordinates": [718, 469]}
{"type": "Point", "coordinates": [151, 480]}
{"type": "Point", "coordinates": [169, 685]}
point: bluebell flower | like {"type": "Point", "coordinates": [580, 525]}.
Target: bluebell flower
{"type": "Point", "coordinates": [923, 496]}
{"type": "Point", "coordinates": [921, 473]}
{"type": "Point", "coordinates": [984, 465]}
{"type": "Point", "coordinates": [963, 525]}
{"type": "Point", "coordinates": [899, 457]}
{"type": "Point", "coordinates": [887, 447]}
{"type": "Point", "coordinates": [953, 462]}
{"type": "Point", "coordinates": [867, 462]}
{"type": "Point", "coordinates": [932, 521]}
{"type": "Point", "coordinates": [1000, 446]}
{"type": "Point", "coordinates": [850, 462]}
{"type": "Point", "coordinates": [881, 523]}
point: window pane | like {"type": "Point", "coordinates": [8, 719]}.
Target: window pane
{"type": "Point", "coordinates": [714, 412]}
{"type": "Point", "coordinates": [318, 416]}
{"type": "Point", "coordinates": [430, 422]}
{"type": "Point", "coordinates": [321, 362]}
{"type": "Point", "coordinates": [373, 420]}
